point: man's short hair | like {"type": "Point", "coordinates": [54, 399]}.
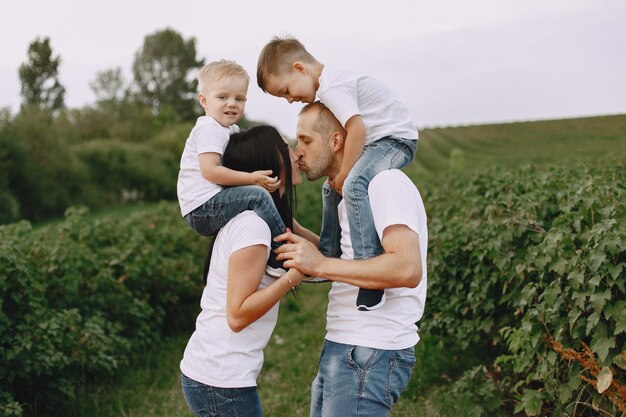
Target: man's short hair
{"type": "Point", "coordinates": [217, 70]}
{"type": "Point", "coordinates": [326, 122]}
{"type": "Point", "coordinates": [278, 56]}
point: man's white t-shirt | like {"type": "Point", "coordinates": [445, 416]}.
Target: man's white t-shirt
{"type": "Point", "coordinates": [192, 188]}
{"type": "Point", "coordinates": [394, 200]}
{"type": "Point", "coordinates": [348, 93]}
{"type": "Point", "coordinates": [215, 355]}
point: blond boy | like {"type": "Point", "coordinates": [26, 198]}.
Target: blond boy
{"type": "Point", "coordinates": [204, 202]}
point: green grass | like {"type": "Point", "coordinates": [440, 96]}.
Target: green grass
{"type": "Point", "coordinates": [151, 386]}
{"type": "Point", "coordinates": [512, 144]}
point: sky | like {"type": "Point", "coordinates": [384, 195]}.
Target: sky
{"type": "Point", "coordinates": [453, 62]}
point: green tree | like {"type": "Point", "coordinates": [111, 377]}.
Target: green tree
{"type": "Point", "coordinates": [39, 76]}
{"type": "Point", "coordinates": [109, 85]}
{"type": "Point", "coordinates": [162, 76]}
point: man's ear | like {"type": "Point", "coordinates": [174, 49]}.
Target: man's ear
{"type": "Point", "coordinates": [337, 140]}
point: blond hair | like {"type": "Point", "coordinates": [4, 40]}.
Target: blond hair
{"type": "Point", "coordinates": [217, 70]}
{"type": "Point", "coordinates": [277, 57]}
{"type": "Point", "coordinates": [326, 122]}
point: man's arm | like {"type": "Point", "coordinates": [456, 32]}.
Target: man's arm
{"type": "Point", "coordinates": [399, 266]}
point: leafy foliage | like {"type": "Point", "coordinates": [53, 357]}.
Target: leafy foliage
{"type": "Point", "coordinates": [162, 70]}
{"type": "Point", "coordinates": [39, 76]}
{"type": "Point", "coordinates": [78, 298]}
{"type": "Point", "coordinates": [520, 255]}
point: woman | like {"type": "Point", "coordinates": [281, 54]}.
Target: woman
{"type": "Point", "coordinates": [240, 303]}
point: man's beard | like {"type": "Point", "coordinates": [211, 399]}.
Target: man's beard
{"type": "Point", "coordinates": [320, 168]}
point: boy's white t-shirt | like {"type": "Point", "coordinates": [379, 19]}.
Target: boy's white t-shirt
{"type": "Point", "coordinates": [192, 188]}
{"type": "Point", "coordinates": [394, 200]}
{"type": "Point", "coordinates": [215, 355]}
{"type": "Point", "coordinates": [348, 93]}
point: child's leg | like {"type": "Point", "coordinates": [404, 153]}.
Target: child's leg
{"type": "Point", "coordinates": [382, 155]}
{"type": "Point", "coordinates": [330, 235]}
{"type": "Point", "coordinates": [209, 218]}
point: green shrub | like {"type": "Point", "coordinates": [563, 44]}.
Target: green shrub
{"type": "Point", "coordinates": [519, 256]}
{"type": "Point", "coordinates": [79, 297]}
{"type": "Point", "coordinates": [120, 171]}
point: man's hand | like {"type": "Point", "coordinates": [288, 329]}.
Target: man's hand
{"type": "Point", "coordinates": [263, 179]}
{"type": "Point", "coordinates": [299, 253]}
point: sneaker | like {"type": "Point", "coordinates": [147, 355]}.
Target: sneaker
{"type": "Point", "coordinates": [369, 300]}
{"type": "Point", "coordinates": [274, 272]}
{"type": "Point", "coordinates": [314, 280]}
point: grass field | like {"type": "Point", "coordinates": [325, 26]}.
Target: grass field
{"type": "Point", "coordinates": [511, 144]}
{"type": "Point", "coordinates": [151, 386]}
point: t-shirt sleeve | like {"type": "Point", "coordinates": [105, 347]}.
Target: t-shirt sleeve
{"type": "Point", "coordinates": [341, 98]}
{"type": "Point", "coordinates": [394, 200]}
{"type": "Point", "coordinates": [211, 138]}
{"type": "Point", "coordinates": [248, 229]}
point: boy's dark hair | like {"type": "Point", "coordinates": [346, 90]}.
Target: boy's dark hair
{"type": "Point", "coordinates": [278, 56]}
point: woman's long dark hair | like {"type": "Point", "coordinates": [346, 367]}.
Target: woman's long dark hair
{"type": "Point", "coordinates": [255, 149]}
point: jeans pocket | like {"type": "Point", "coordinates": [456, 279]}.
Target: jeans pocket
{"type": "Point", "coordinates": [199, 397]}
{"type": "Point", "coordinates": [400, 369]}
{"type": "Point", "coordinates": [361, 357]}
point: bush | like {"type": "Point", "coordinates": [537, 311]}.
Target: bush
{"type": "Point", "coordinates": [78, 298]}
{"type": "Point", "coordinates": [44, 176]}
{"type": "Point", "coordinates": [120, 171]}
{"type": "Point", "coordinates": [520, 256]}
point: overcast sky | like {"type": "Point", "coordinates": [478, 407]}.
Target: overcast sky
{"type": "Point", "coordinates": [452, 61]}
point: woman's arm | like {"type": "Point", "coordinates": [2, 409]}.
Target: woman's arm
{"type": "Point", "coordinates": [244, 304]}
{"type": "Point", "coordinates": [306, 233]}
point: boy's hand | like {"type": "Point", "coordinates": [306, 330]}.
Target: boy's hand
{"type": "Point", "coordinates": [263, 179]}
{"type": "Point", "coordinates": [336, 183]}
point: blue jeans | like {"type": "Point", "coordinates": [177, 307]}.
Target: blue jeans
{"type": "Point", "coordinates": [207, 401]}
{"type": "Point", "coordinates": [210, 217]}
{"type": "Point", "coordinates": [356, 381]}
{"type": "Point", "coordinates": [386, 153]}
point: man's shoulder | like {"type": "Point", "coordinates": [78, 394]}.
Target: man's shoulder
{"type": "Point", "coordinates": [391, 179]}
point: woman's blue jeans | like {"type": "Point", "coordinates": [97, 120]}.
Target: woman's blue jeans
{"type": "Point", "coordinates": [207, 401]}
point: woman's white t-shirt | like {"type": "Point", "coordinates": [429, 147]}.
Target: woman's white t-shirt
{"type": "Point", "coordinates": [215, 355]}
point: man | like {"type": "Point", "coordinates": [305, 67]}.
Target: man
{"type": "Point", "coordinates": [368, 356]}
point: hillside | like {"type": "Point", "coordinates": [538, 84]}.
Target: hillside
{"type": "Point", "coordinates": [511, 144]}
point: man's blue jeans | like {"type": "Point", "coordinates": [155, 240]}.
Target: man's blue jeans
{"type": "Point", "coordinates": [356, 381]}
{"type": "Point", "coordinates": [207, 401]}
{"type": "Point", "coordinates": [386, 153]}
{"type": "Point", "coordinates": [210, 217]}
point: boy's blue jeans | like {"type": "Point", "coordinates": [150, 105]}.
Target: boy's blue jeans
{"type": "Point", "coordinates": [357, 381]}
{"type": "Point", "coordinates": [208, 401]}
{"type": "Point", "coordinates": [210, 217]}
{"type": "Point", "coordinates": [386, 153]}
